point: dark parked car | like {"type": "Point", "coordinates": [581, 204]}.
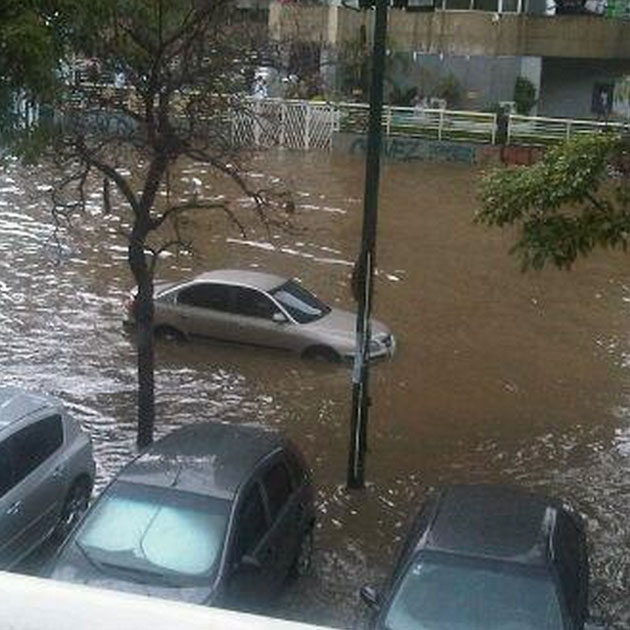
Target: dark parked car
{"type": "Point", "coordinates": [214, 513]}
{"type": "Point", "coordinates": [483, 557]}
{"type": "Point", "coordinates": [46, 472]}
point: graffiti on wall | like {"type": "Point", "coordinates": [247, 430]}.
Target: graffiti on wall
{"type": "Point", "coordinates": [417, 149]}
{"type": "Point", "coordinates": [408, 149]}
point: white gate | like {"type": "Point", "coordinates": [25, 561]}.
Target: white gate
{"type": "Point", "coordinates": [298, 125]}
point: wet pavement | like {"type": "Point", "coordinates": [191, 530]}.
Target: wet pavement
{"type": "Point", "coordinates": [499, 376]}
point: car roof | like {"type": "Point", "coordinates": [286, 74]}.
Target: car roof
{"type": "Point", "coordinates": [16, 403]}
{"type": "Point", "coordinates": [494, 522]}
{"type": "Point", "coordinates": [247, 277]}
{"type": "Point", "coordinates": [211, 458]}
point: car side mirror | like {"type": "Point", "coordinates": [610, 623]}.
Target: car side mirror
{"type": "Point", "coordinates": [279, 318]}
{"type": "Point", "coordinates": [250, 562]}
{"type": "Point", "coordinates": [370, 596]}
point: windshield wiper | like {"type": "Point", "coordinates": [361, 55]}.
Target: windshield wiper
{"type": "Point", "coordinates": [140, 574]}
{"type": "Point", "coordinates": [97, 565]}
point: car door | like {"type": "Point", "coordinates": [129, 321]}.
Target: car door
{"type": "Point", "coordinates": [10, 523]}
{"type": "Point", "coordinates": [39, 482]}
{"type": "Point", "coordinates": [285, 516]}
{"type": "Point", "coordinates": [254, 313]}
{"type": "Point", "coordinates": [250, 558]}
{"type": "Point", "coordinates": [204, 309]}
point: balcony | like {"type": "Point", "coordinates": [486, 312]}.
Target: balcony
{"type": "Point", "coordinates": [462, 32]}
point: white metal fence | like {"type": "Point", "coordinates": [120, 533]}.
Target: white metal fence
{"type": "Point", "coordinates": [311, 125]}
{"type": "Point", "coordinates": [25, 110]}
{"type": "Point", "coordinates": [305, 125]}
{"type": "Point", "coordinates": [539, 130]}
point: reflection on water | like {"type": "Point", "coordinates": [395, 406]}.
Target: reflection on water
{"type": "Point", "coordinates": [499, 377]}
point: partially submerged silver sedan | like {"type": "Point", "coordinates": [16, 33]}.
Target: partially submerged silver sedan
{"type": "Point", "coordinates": [260, 309]}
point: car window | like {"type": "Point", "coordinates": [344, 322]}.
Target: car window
{"type": "Point", "coordinates": [6, 472]}
{"type": "Point", "coordinates": [215, 296]}
{"type": "Point", "coordinates": [277, 485]}
{"type": "Point", "coordinates": [418, 527]}
{"type": "Point", "coordinates": [34, 444]}
{"type": "Point", "coordinates": [252, 522]}
{"type": "Point", "coordinates": [252, 303]}
{"type": "Point", "coordinates": [443, 591]}
{"type": "Point", "coordinates": [301, 304]}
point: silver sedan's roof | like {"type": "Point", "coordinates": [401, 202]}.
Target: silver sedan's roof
{"type": "Point", "coordinates": [245, 277]}
{"type": "Point", "coordinates": [211, 458]}
{"type": "Point", "coordinates": [16, 403]}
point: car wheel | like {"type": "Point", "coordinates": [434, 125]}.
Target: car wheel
{"type": "Point", "coordinates": [321, 353]}
{"type": "Point", "coordinates": [304, 557]}
{"type": "Point", "coordinates": [168, 333]}
{"type": "Point", "coordinates": [76, 503]}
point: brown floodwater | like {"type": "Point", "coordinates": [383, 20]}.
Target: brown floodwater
{"type": "Point", "coordinates": [499, 376]}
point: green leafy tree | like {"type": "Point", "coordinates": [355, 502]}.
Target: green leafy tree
{"type": "Point", "coordinates": [167, 80]}
{"type": "Point", "coordinates": [576, 199]}
{"type": "Point", "coordinates": [524, 95]}
{"type": "Point", "coordinates": [30, 50]}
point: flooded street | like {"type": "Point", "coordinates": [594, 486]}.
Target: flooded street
{"type": "Point", "coordinates": [499, 376]}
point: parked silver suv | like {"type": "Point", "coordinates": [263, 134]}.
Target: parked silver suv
{"type": "Point", "coordinates": [46, 472]}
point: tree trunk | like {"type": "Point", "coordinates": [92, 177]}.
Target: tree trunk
{"type": "Point", "coordinates": [146, 354]}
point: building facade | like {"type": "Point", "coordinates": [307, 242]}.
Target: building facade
{"type": "Point", "coordinates": [472, 53]}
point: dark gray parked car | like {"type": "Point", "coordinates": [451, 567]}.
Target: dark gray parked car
{"type": "Point", "coordinates": [483, 557]}
{"type": "Point", "coordinates": [214, 513]}
{"type": "Point", "coordinates": [46, 472]}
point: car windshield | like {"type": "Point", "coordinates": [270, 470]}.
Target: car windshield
{"type": "Point", "coordinates": [302, 305]}
{"type": "Point", "coordinates": [441, 592]}
{"type": "Point", "coordinates": [160, 534]}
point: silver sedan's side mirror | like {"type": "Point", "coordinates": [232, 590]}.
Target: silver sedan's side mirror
{"type": "Point", "coordinates": [279, 318]}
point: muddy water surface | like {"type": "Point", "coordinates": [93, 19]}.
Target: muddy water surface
{"type": "Point", "coordinates": [499, 376]}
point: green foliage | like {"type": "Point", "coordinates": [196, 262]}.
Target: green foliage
{"type": "Point", "coordinates": [400, 97]}
{"type": "Point", "coordinates": [575, 199]}
{"type": "Point", "coordinates": [524, 95]}
{"type": "Point", "coordinates": [34, 37]}
{"type": "Point", "coordinates": [449, 89]}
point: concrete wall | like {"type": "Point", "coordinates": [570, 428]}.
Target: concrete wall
{"type": "Point", "coordinates": [567, 85]}
{"type": "Point", "coordinates": [483, 81]}
{"type": "Point", "coordinates": [476, 33]}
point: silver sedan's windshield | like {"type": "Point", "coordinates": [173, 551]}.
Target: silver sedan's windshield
{"type": "Point", "coordinates": [158, 534]}
{"type": "Point", "coordinates": [440, 592]}
{"type": "Point", "coordinates": [302, 305]}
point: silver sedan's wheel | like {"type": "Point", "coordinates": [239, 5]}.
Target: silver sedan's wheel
{"type": "Point", "coordinates": [76, 503]}
{"type": "Point", "coordinates": [321, 353]}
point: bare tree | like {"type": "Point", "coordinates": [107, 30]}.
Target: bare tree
{"type": "Point", "coordinates": [161, 82]}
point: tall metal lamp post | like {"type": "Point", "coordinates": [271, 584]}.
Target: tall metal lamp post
{"type": "Point", "coordinates": [365, 270]}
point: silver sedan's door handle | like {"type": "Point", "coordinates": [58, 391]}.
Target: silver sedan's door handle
{"type": "Point", "coordinates": [14, 509]}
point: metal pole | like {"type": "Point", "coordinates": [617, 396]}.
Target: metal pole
{"type": "Point", "coordinates": [364, 272]}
